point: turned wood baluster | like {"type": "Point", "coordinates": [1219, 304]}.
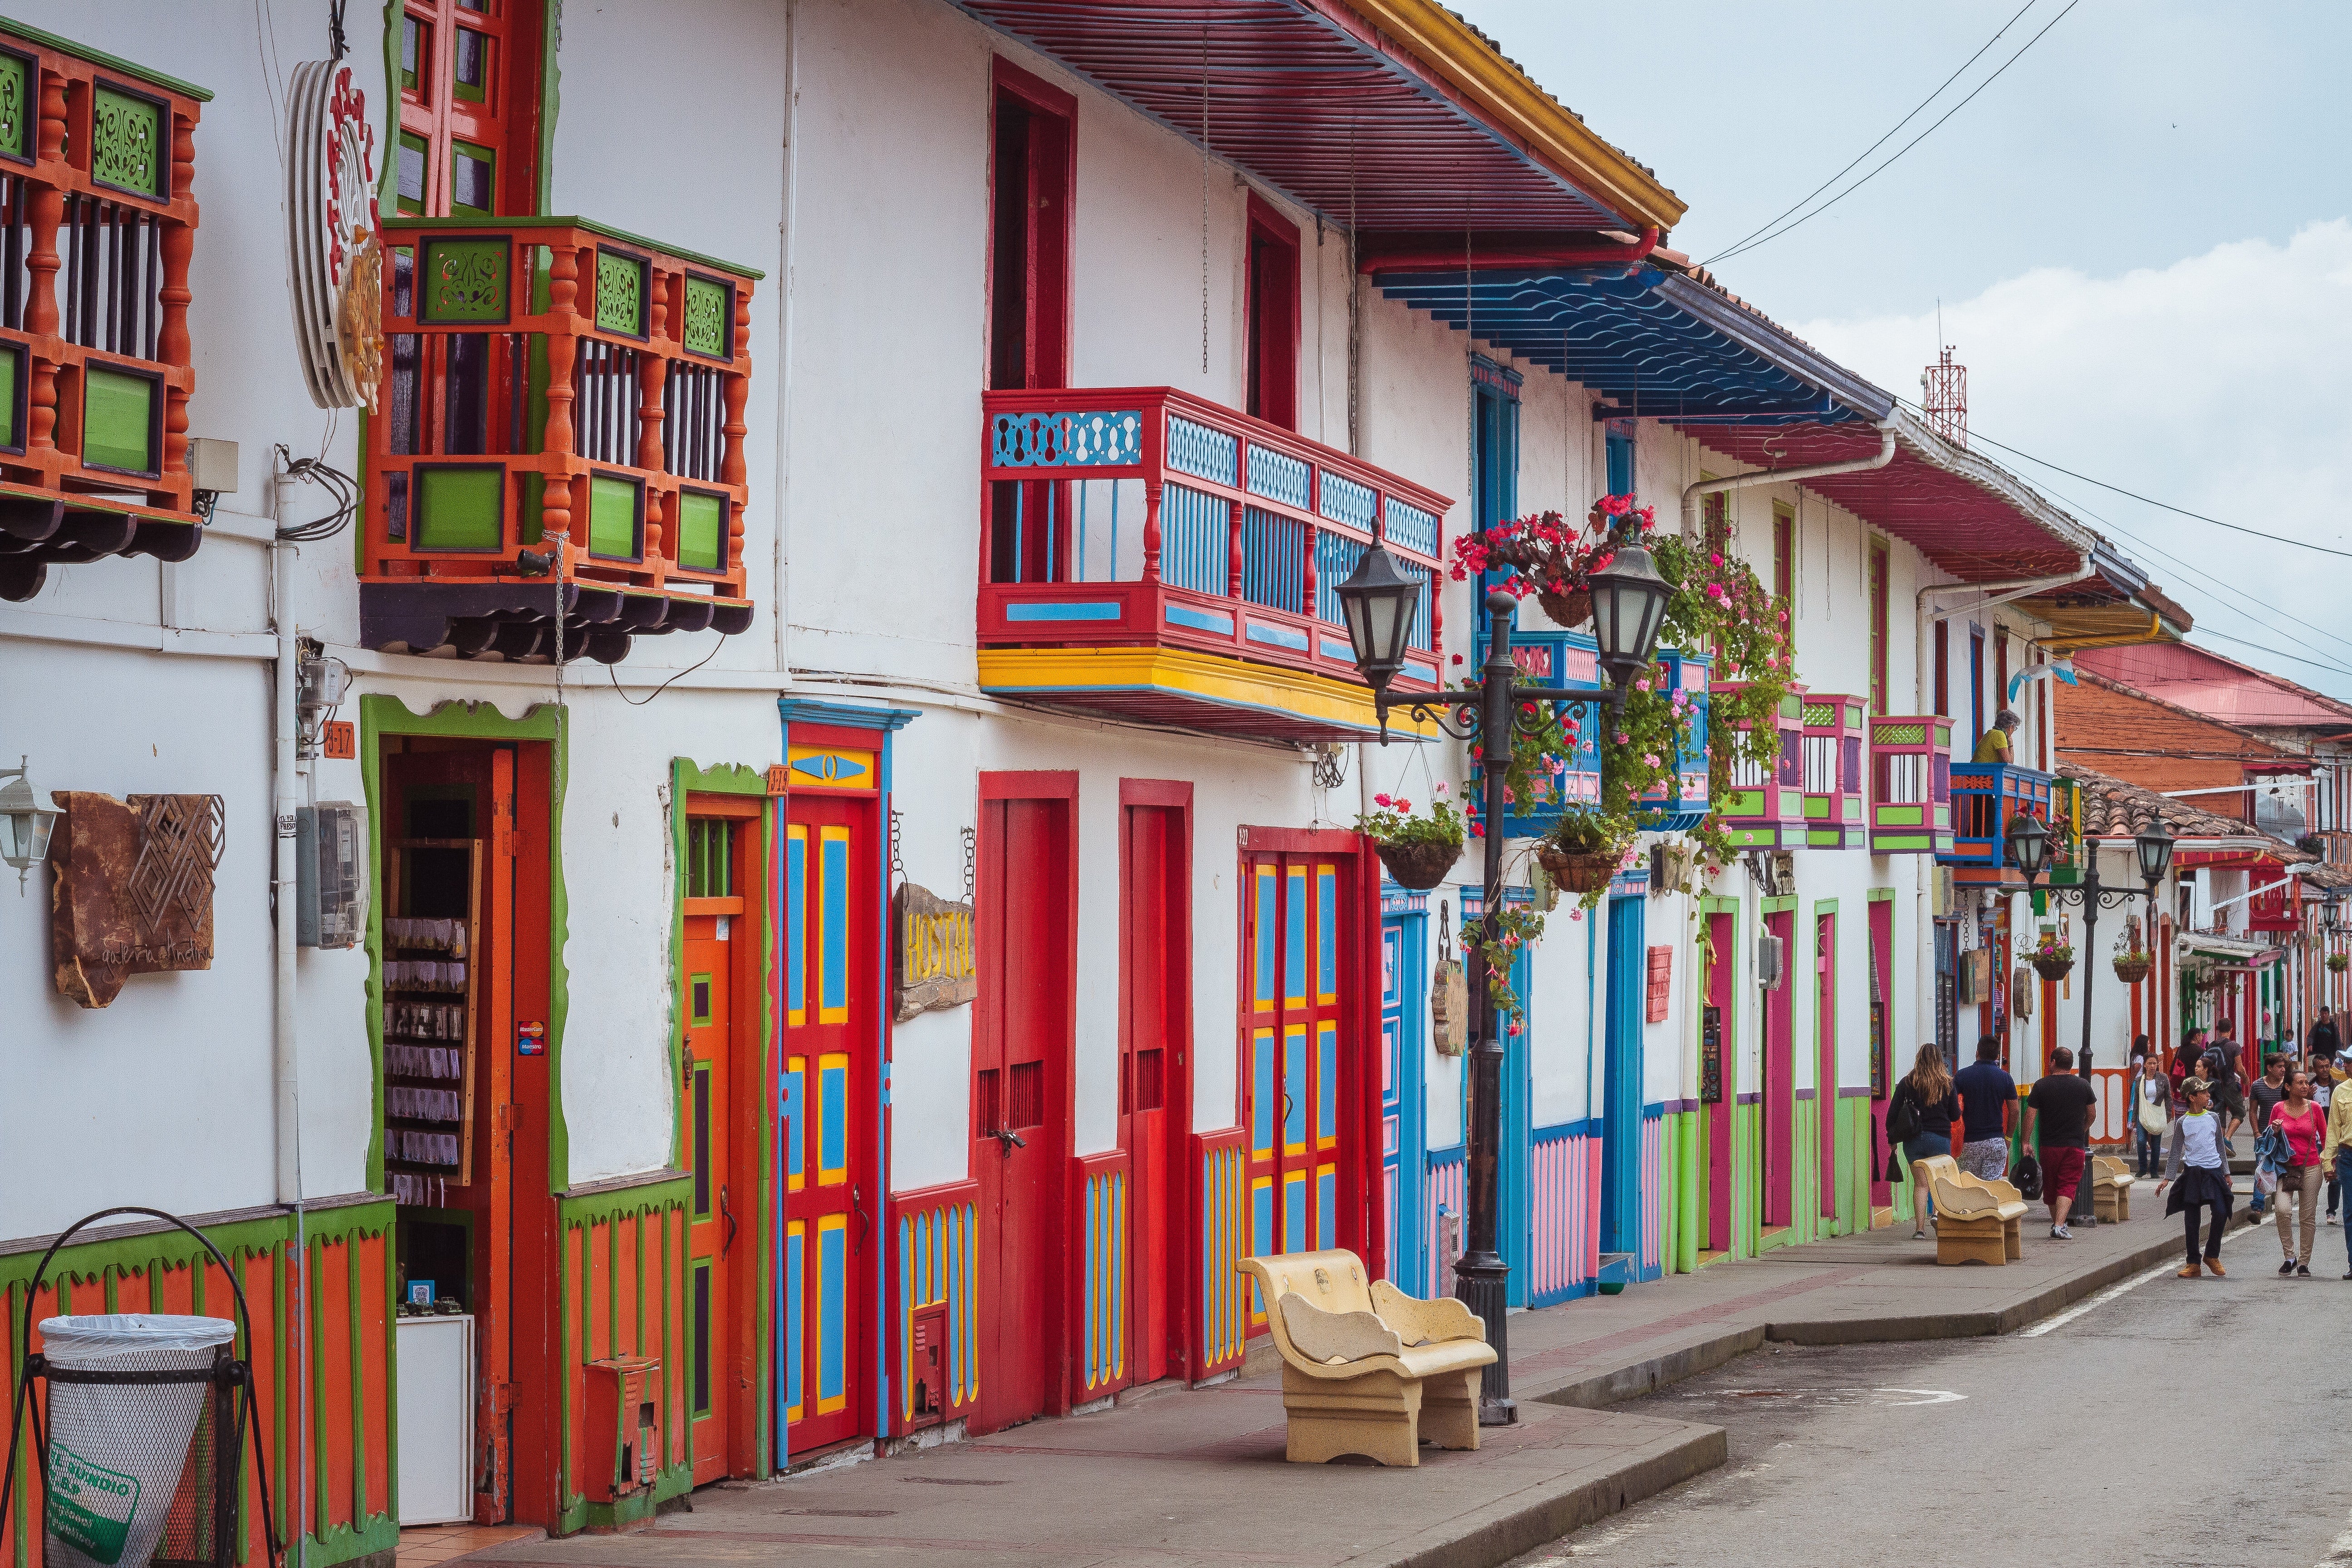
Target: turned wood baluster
{"type": "Point", "coordinates": [1151, 488]}
{"type": "Point", "coordinates": [652, 364]}
{"type": "Point", "coordinates": [730, 463]}
{"type": "Point", "coordinates": [47, 208]}
{"type": "Point", "coordinates": [179, 242]}
{"type": "Point", "coordinates": [1307, 584]}
{"type": "Point", "coordinates": [563, 291]}
{"type": "Point", "coordinates": [1235, 516]}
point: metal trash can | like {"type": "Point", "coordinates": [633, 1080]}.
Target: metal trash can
{"type": "Point", "coordinates": [126, 1392]}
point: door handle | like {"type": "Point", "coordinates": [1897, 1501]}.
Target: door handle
{"type": "Point", "coordinates": [727, 1215]}
{"type": "Point", "coordinates": [1009, 1140]}
{"type": "Point", "coordinates": [864, 1223]}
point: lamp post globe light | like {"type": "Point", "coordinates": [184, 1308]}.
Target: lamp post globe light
{"type": "Point", "coordinates": [2028, 841]}
{"type": "Point", "coordinates": [25, 823]}
{"type": "Point", "coordinates": [1379, 602]}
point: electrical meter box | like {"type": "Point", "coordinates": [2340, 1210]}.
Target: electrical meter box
{"type": "Point", "coordinates": [330, 875]}
{"type": "Point", "coordinates": [624, 1422]}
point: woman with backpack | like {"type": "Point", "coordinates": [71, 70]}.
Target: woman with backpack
{"type": "Point", "coordinates": [1919, 1117]}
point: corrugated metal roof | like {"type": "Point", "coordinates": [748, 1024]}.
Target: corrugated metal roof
{"type": "Point", "coordinates": [1305, 95]}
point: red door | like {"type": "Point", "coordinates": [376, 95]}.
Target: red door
{"type": "Point", "coordinates": [1825, 1069]}
{"type": "Point", "coordinates": [1779, 1080]}
{"type": "Point", "coordinates": [1717, 1019]}
{"type": "Point", "coordinates": [1302, 1094]}
{"type": "Point", "coordinates": [830, 882]}
{"type": "Point", "coordinates": [1022, 1048]}
{"type": "Point", "coordinates": [1882, 1044]}
{"type": "Point", "coordinates": [1155, 970]}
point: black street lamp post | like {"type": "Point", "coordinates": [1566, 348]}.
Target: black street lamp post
{"type": "Point", "coordinates": [2029, 843]}
{"type": "Point", "coordinates": [1379, 601]}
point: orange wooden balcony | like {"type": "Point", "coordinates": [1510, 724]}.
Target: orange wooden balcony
{"type": "Point", "coordinates": [1149, 554]}
{"type": "Point", "coordinates": [98, 221]}
{"type": "Point", "coordinates": [562, 417]}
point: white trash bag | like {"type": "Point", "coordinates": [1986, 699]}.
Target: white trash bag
{"type": "Point", "coordinates": [116, 1450]}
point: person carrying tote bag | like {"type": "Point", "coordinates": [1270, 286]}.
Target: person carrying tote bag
{"type": "Point", "coordinates": [2155, 1118]}
{"type": "Point", "coordinates": [1919, 1117]}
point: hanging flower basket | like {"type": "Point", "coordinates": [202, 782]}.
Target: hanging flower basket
{"type": "Point", "coordinates": [1578, 873]}
{"type": "Point", "coordinates": [1418, 863]}
{"type": "Point", "coordinates": [2131, 968]}
{"type": "Point", "coordinates": [2053, 968]}
{"type": "Point", "coordinates": [1570, 609]}
{"type": "Point", "coordinates": [2337, 963]}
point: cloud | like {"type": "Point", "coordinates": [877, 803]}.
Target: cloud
{"type": "Point", "coordinates": [2221, 383]}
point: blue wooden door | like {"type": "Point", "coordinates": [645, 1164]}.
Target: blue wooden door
{"type": "Point", "coordinates": [1404, 1044]}
{"type": "Point", "coordinates": [1620, 1093]}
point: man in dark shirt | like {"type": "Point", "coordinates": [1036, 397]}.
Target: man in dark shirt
{"type": "Point", "coordinates": [2060, 1103]}
{"type": "Point", "coordinates": [2323, 1040]}
{"type": "Point", "coordinates": [1986, 1092]}
{"type": "Point", "coordinates": [2268, 1091]}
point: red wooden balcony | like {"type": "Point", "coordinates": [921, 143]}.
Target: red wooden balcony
{"type": "Point", "coordinates": [1148, 553]}
{"type": "Point", "coordinates": [562, 413]}
{"type": "Point", "coordinates": [98, 221]}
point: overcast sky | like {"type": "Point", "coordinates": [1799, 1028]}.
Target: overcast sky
{"type": "Point", "coordinates": [2141, 236]}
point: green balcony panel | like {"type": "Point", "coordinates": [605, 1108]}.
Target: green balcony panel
{"type": "Point", "coordinates": [460, 507]}
{"type": "Point", "coordinates": [12, 376]}
{"type": "Point", "coordinates": [701, 531]}
{"type": "Point", "coordinates": [615, 506]}
{"type": "Point", "coordinates": [1817, 806]}
{"type": "Point", "coordinates": [1742, 803]}
{"type": "Point", "coordinates": [117, 415]}
{"type": "Point", "coordinates": [465, 281]}
{"type": "Point", "coordinates": [15, 106]}
{"type": "Point", "coordinates": [620, 293]}
{"type": "Point", "coordinates": [1900, 816]}
{"type": "Point", "coordinates": [709, 318]}
{"type": "Point", "coordinates": [126, 142]}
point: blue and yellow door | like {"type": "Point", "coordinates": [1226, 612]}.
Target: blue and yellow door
{"type": "Point", "coordinates": [1404, 1025]}
{"type": "Point", "coordinates": [829, 884]}
{"type": "Point", "coordinates": [1292, 922]}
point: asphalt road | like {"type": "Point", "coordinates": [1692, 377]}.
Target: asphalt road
{"type": "Point", "coordinates": [2163, 1423]}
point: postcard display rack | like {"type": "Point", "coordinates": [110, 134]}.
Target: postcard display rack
{"type": "Point", "coordinates": [430, 983]}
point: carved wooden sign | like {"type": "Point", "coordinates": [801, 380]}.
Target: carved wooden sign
{"type": "Point", "coordinates": [133, 891]}
{"type": "Point", "coordinates": [935, 963]}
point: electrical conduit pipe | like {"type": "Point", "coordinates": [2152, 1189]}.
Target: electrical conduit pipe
{"type": "Point", "coordinates": [1692, 494]}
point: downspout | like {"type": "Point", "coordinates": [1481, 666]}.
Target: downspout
{"type": "Point", "coordinates": [286, 1064]}
{"type": "Point", "coordinates": [1692, 494]}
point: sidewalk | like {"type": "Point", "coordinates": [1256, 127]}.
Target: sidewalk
{"type": "Point", "coordinates": [1197, 1476]}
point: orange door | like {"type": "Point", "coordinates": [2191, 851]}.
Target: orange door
{"type": "Point", "coordinates": [715, 913]}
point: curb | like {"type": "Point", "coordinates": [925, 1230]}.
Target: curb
{"type": "Point", "coordinates": [1504, 1531]}
{"type": "Point", "coordinates": [1651, 1374]}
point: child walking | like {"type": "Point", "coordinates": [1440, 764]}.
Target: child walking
{"type": "Point", "coordinates": [2197, 1171]}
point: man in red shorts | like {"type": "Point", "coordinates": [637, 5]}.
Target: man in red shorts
{"type": "Point", "coordinates": [2061, 1105]}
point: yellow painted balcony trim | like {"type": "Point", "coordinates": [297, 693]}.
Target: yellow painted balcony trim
{"type": "Point", "coordinates": [1212, 677]}
{"type": "Point", "coordinates": [1447, 46]}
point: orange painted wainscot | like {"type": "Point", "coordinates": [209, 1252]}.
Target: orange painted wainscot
{"type": "Point", "coordinates": [624, 1295]}
{"type": "Point", "coordinates": [332, 1470]}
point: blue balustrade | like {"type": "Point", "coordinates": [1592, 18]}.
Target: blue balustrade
{"type": "Point", "coordinates": [1075, 440]}
{"type": "Point", "coordinates": [1278, 477]}
{"type": "Point", "coordinates": [1412, 527]}
{"type": "Point", "coordinates": [1195, 539]}
{"type": "Point", "coordinates": [1193, 449]}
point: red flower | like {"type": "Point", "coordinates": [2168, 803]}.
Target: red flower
{"type": "Point", "coordinates": [1382, 800]}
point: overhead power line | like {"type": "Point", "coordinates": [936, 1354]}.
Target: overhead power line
{"type": "Point", "coordinates": [1797, 223]}
{"type": "Point", "coordinates": [2161, 506]}
{"type": "Point", "coordinates": [1882, 141]}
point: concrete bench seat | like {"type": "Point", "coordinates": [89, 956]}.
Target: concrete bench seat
{"type": "Point", "coordinates": [2111, 1185]}
{"type": "Point", "coordinates": [1367, 1368]}
{"type": "Point", "coordinates": [1975, 1223]}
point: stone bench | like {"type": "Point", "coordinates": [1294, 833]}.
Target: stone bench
{"type": "Point", "coordinates": [1367, 1368]}
{"type": "Point", "coordinates": [1976, 1221]}
{"type": "Point", "coordinates": [2111, 1185]}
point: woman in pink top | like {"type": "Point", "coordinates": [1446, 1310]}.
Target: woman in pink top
{"type": "Point", "coordinates": [2305, 1126]}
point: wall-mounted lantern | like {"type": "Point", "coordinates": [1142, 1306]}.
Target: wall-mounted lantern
{"type": "Point", "coordinates": [25, 823]}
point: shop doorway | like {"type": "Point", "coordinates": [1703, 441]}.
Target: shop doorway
{"type": "Point", "coordinates": [1023, 1047]}
{"type": "Point", "coordinates": [462, 845]}
{"type": "Point", "coordinates": [1621, 1079]}
{"type": "Point", "coordinates": [1825, 1049]}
